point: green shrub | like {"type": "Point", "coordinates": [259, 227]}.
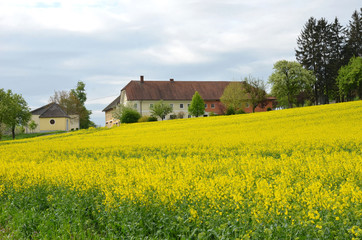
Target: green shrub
{"type": "Point", "coordinates": [240, 111]}
{"type": "Point", "coordinates": [212, 114]}
{"type": "Point", "coordinates": [144, 119]}
{"type": "Point", "coordinates": [129, 115]}
{"type": "Point", "coordinates": [173, 116]}
{"type": "Point", "coordinates": [230, 111]}
{"type": "Point", "coordinates": [152, 119]}
{"type": "Point", "coordinates": [269, 109]}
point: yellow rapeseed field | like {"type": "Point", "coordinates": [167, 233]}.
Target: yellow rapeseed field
{"type": "Point", "coordinates": [296, 172]}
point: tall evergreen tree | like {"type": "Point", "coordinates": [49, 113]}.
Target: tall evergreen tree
{"type": "Point", "coordinates": [320, 50]}
{"type": "Point", "coordinates": [337, 44]}
{"type": "Point", "coordinates": [354, 36]}
{"type": "Point", "coordinates": [306, 53]}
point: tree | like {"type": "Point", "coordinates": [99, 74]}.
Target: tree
{"type": "Point", "coordinates": [349, 79]}
{"type": "Point", "coordinates": [3, 109]}
{"type": "Point", "coordinates": [32, 125]}
{"type": "Point", "coordinates": [288, 80]}
{"type": "Point", "coordinates": [354, 36]}
{"type": "Point", "coordinates": [337, 45]}
{"type": "Point", "coordinates": [255, 88]}
{"type": "Point", "coordinates": [197, 106]}
{"type": "Point", "coordinates": [319, 50]}
{"type": "Point", "coordinates": [161, 109]}
{"type": "Point", "coordinates": [234, 96]}
{"type": "Point", "coordinates": [17, 111]}
{"type": "Point", "coordinates": [73, 103]}
{"type": "Point", "coordinates": [80, 92]}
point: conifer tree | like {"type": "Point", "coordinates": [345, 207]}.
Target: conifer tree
{"type": "Point", "coordinates": [354, 36]}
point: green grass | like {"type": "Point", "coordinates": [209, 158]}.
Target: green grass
{"type": "Point", "coordinates": [28, 135]}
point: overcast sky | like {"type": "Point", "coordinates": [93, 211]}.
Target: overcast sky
{"type": "Point", "coordinates": [47, 46]}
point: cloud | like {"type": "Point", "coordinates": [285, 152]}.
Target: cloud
{"type": "Point", "coordinates": [50, 45]}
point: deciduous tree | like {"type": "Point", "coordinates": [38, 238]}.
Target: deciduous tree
{"type": "Point", "coordinates": [349, 79]}
{"type": "Point", "coordinates": [197, 106]}
{"type": "Point", "coordinates": [161, 109]}
{"type": "Point", "coordinates": [234, 96]}
{"type": "Point", "coordinates": [288, 80]}
{"type": "Point", "coordinates": [73, 103]}
{"type": "Point", "coordinates": [255, 89]}
{"type": "Point", "coordinates": [16, 112]}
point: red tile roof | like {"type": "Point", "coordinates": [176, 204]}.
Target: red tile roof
{"type": "Point", "coordinates": [174, 90]}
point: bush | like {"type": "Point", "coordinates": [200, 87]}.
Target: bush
{"type": "Point", "coordinates": [129, 115]}
{"type": "Point", "coordinates": [152, 119]}
{"type": "Point", "coordinates": [269, 109]}
{"type": "Point", "coordinates": [230, 111]}
{"type": "Point", "coordinates": [173, 116]}
{"type": "Point", "coordinates": [240, 111]}
{"type": "Point", "coordinates": [180, 115]}
{"type": "Point", "coordinates": [144, 119]}
{"type": "Point", "coordinates": [212, 114]}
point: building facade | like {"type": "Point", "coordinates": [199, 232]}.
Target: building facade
{"type": "Point", "coordinates": [142, 95]}
{"type": "Point", "coordinates": [52, 117]}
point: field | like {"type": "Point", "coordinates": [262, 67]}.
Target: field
{"type": "Point", "coordinates": [289, 174]}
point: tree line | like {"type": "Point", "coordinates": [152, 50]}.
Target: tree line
{"type": "Point", "coordinates": [328, 67]}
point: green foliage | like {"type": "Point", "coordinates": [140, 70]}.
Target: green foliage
{"type": "Point", "coordinates": [354, 35]}
{"type": "Point", "coordinates": [143, 119]}
{"type": "Point", "coordinates": [230, 110]}
{"type": "Point", "coordinates": [197, 106]}
{"type": "Point", "coordinates": [212, 114]}
{"type": "Point", "coordinates": [73, 103]}
{"type": "Point", "coordinates": [152, 119]}
{"type": "Point", "coordinates": [255, 88]}
{"type": "Point", "coordinates": [161, 109]}
{"type": "Point", "coordinates": [32, 125]}
{"type": "Point", "coordinates": [288, 80]}
{"type": "Point", "coordinates": [14, 110]}
{"type": "Point", "coordinates": [129, 115]}
{"type": "Point", "coordinates": [234, 96]}
{"type": "Point", "coordinates": [79, 92]}
{"type": "Point", "coordinates": [349, 79]}
{"type": "Point", "coordinates": [240, 111]}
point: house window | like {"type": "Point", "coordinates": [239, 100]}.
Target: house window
{"type": "Point", "coordinates": [212, 105]}
{"type": "Point", "coordinates": [135, 106]}
{"type": "Point", "coordinates": [151, 105]}
{"type": "Point", "coordinates": [181, 105]}
{"type": "Point", "coordinates": [188, 105]}
{"type": "Point", "coordinates": [247, 105]}
{"type": "Point", "coordinates": [171, 105]}
{"type": "Point", "coordinates": [189, 116]}
{"type": "Point", "coordinates": [52, 121]}
{"type": "Point", "coordinates": [205, 105]}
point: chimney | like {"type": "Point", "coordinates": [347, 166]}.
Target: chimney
{"type": "Point", "coordinates": [141, 79]}
{"type": "Point", "coordinates": [171, 80]}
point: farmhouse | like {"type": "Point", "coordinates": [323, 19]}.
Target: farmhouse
{"type": "Point", "coordinates": [52, 117]}
{"type": "Point", "coordinates": [142, 95]}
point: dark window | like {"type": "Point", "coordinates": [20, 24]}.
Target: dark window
{"type": "Point", "coordinates": [205, 105]}
{"type": "Point", "coordinates": [52, 121]}
{"type": "Point", "coordinates": [212, 105]}
{"type": "Point", "coordinates": [181, 105]}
